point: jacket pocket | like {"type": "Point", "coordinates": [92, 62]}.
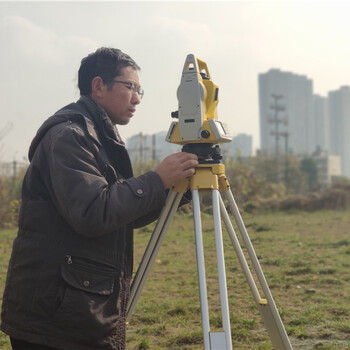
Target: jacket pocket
{"type": "Point", "coordinates": [88, 300]}
{"type": "Point", "coordinates": [88, 275]}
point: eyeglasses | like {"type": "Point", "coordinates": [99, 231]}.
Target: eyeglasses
{"type": "Point", "coordinates": [136, 89]}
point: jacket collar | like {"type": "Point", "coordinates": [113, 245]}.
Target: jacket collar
{"type": "Point", "coordinates": [108, 135]}
{"type": "Point", "coordinates": [100, 118]}
{"type": "Point", "coordinates": [99, 127]}
{"type": "Point", "coordinates": [86, 111]}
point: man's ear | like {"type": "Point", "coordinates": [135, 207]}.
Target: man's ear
{"type": "Point", "coordinates": [97, 86]}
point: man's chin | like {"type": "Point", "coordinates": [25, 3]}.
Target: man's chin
{"type": "Point", "coordinates": [121, 121]}
{"type": "Point", "coordinates": [125, 121]}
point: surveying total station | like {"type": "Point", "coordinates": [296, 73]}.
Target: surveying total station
{"type": "Point", "coordinates": [200, 132]}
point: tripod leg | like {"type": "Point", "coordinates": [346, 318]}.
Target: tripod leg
{"type": "Point", "coordinates": [239, 252]}
{"type": "Point", "coordinates": [268, 310]}
{"type": "Point", "coordinates": [152, 249]}
{"type": "Point", "coordinates": [201, 268]}
{"type": "Point", "coordinates": [221, 271]}
{"type": "Point", "coordinates": [212, 340]}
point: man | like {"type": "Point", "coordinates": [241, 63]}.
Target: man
{"type": "Point", "coordinates": [70, 270]}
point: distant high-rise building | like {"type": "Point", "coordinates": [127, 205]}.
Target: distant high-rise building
{"type": "Point", "coordinates": [339, 126]}
{"type": "Point", "coordinates": [320, 123]}
{"type": "Point", "coordinates": [242, 144]}
{"type": "Point", "coordinates": [285, 106]}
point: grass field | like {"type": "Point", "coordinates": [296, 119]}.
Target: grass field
{"type": "Point", "coordinates": [306, 261]}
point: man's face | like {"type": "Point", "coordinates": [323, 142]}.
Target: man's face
{"type": "Point", "coordinates": [118, 100]}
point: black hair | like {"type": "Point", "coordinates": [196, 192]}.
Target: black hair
{"type": "Point", "coordinates": [106, 63]}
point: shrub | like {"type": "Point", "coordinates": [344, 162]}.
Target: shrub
{"type": "Point", "coordinates": [10, 194]}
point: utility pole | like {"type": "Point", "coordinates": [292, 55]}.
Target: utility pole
{"type": "Point", "coordinates": [276, 120]}
{"type": "Point", "coordinates": [286, 176]}
{"type": "Point", "coordinates": [14, 171]}
{"type": "Point", "coordinates": [154, 147]}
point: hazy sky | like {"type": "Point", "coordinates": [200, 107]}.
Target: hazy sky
{"type": "Point", "coordinates": [42, 44]}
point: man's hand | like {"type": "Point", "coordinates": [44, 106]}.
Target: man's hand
{"type": "Point", "coordinates": [176, 167]}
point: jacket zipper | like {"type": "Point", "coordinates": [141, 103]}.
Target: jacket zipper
{"type": "Point", "coordinates": [87, 266]}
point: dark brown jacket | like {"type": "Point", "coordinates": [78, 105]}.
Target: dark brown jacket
{"type": "Point", "coordinates": [71, 265]}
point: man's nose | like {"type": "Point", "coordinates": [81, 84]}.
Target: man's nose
{"type": "Point", "coordinates": [135, 100]}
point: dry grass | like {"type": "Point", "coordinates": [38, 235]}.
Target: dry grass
{"type": "Point", "coordinates": [306, 260]}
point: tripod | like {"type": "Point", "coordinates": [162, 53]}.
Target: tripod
{"type": "Point", "coordinates": [211, 177]}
